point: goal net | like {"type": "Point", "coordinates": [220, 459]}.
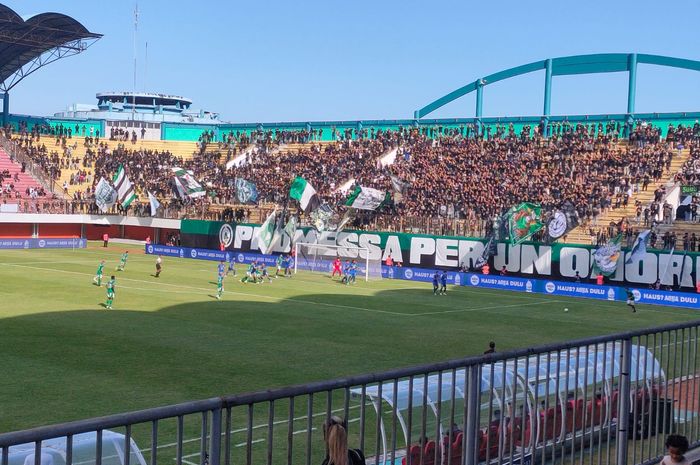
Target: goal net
{"type": "Point", "coordinates": [320, 257]}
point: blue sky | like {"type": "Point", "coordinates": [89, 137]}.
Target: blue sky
{"type": "Point", "coordinates": [271, 61]}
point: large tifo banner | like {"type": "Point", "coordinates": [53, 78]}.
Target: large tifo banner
{"type": "Point", "coordinates": [20, 243]}
{"type": "Point", "coordinates": [555, 261]}
{"type": "Point", "coordinates": [507, 283]}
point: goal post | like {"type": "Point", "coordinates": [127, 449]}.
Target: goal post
{"type": "Point", "coordinates": [319, 257]}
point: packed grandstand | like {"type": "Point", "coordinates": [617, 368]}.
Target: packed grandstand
{"type": "Point", "coordinates": [469, 179]}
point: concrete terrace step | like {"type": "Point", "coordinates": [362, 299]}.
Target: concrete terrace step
{"type": "Point", "coordinates": [581, 234]}
{"type": "Point", "coordinates": [25, 181]}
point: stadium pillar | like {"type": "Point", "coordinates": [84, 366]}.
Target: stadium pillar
{"type": "Point", "coordinates": [624, 405]}
{"type": "Point", "coordinates": [471, 417]}
{"type": "Point", "coordinates": [479, 103]}
{"type": "Point", "coordinates": [547, 95]}
{"type": "Point", "coordinates": [631, 89]}
{"type": "Point", "coordinates": [215, 445]}
{"type": "Point", "coordinates": [5, 108]}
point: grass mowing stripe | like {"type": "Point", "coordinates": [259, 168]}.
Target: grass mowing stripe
{"type": "Point", "coordinates": [326, 304]}
{"type": "Point", "coordinates": [172, 343]}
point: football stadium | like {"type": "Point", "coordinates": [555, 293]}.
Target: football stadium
{"type": "Point", "coordinates": [177, 288]}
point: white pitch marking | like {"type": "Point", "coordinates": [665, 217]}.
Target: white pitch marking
{"type": "Point", "coordinates": [262, 425]}
{"type": "Point", "coordinates": [277, 299]}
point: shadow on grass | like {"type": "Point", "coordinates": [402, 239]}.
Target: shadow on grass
{"type": "Point", "coordinates": [66, 365]}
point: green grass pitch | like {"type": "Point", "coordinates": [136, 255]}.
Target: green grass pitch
{"type": "Point", "coordinates": [65, 357]}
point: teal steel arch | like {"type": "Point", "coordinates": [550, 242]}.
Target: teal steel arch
{"type": "Point", "coordinates": [578, 64]}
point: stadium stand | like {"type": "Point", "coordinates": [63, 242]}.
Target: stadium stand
{"type": "Point", "coordinates": [16, 182]}
{"type": "Point", "coordinates": [454, 177]}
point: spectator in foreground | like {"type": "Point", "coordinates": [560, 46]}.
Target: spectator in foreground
{"type": "Point", "coordinates": [491, 349]}
{"type": "Point", "coordinates": [336, 437]}
{"type": "Point", "coordinates": [676, 447]}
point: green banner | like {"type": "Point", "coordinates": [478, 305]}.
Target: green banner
{"type": "Point", "coordinates": [524, 220]}
{"type": "Point", "coordinates": [556, 261]}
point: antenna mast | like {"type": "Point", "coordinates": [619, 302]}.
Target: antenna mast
{"type": "Point", "coordinates": [133, 97]}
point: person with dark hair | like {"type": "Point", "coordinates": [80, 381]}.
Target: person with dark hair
{"type": "Point", "coordinates": [630, 300]}
{"type": "Point", "coordinates": [335, 436]}
{"type": "Point", "coordinates": [491, 349]}
{"type": "Point", "coordinates": [443, 283]}
{"type": "Point", "coordinates": [111, 284]}
{"type": "Point", "coordinates": [159, 266]}
{"type": "Point", "coordinates": [676, 447]}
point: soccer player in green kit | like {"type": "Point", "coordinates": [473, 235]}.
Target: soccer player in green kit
{"type": "Point", "coordinates": [252, 273]}
{"type": "Point", "coordinates": [98, 275]}
{"type": "Point", "coordinates": [122, 261]}
{"type": "Point", "coordinates": [110, 293]}
{"type": "Point", "coordinates": [221, 273]}
{"type": "Point", "coordinates": [219, 286]}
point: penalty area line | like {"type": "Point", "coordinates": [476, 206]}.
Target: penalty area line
{"type": "Point", "coordinates": [182, 289]}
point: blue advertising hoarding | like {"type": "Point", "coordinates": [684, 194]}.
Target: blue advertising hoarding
{"type": "Point", "coordinates": [48, 243]}
{"type": "Point", "coordinates": [507, 283]}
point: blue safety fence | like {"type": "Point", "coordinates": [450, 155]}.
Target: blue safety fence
{"type": "Point", "coordinates": [506, 283]}
{"type": "Point", "coordinates": [24, 243]}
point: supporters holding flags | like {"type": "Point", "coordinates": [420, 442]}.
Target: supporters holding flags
{"type": "Point", "coordinates": [562, 221]}
{"type": "Point", "coordinates": [246, 191]}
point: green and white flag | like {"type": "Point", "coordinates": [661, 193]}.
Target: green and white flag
{"type": "Point", "coordinates": [524, 220]}
{"type": "Point", "coordinates": [605, 258]}
{"type": "Point", "coordinates": [124, 187]}
{"type": "Point", "coordinates": [305, 193]}
{"type": "Point", "coordinates": [105, 195]}
{"type": "Point", "coordinates": [366, 198]}
{"type": "Point", "coordinates": [291, 227]}
{"type": "Point", "coordinates": [186, 184]}
{"type": "Point", "coordinates": [266, 234]}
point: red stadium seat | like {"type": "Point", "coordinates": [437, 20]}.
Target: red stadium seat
{"type": "Point", "coordinates": [414, 453]}
{"type": "Point", "coordinates": [483, 438]}
{"type": "Point", "coordinates": [429, 453]}
{"type": "Point", "coordinates": [455, 450]}
{"type": "Point", "coordinates": [614, 402]}
{"type": "Point", "coordinates": [570, 412]}
{"type": "Point", "coordinates": [493, 433]}
{"type": "Point", "coordinates": [516, 431]}
{"type": "Point", "coordinates": [580, 414]}
{"type": "Point", "coordinates": [593, 412]}
{"type": "Point", "coordinates": [553, 422]}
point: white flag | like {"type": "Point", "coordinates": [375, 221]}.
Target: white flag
{"type": "Point", "coordinates": [105, 195]}
{"type": "Point", "coordinates": [155, 204]}
{"type": "Point", "coordinates": [267, 233]}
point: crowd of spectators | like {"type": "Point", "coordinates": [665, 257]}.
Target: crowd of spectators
{"type": "Point", "coordinates": [449, 172]}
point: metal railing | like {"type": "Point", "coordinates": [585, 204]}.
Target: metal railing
{"type": "Point", "coordinates": [601, 400]}
{"type": "Point", "coordinates": [45, 205]}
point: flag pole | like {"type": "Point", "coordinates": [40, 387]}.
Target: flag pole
{"type": "Point", "coordinates": [680, 277]}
